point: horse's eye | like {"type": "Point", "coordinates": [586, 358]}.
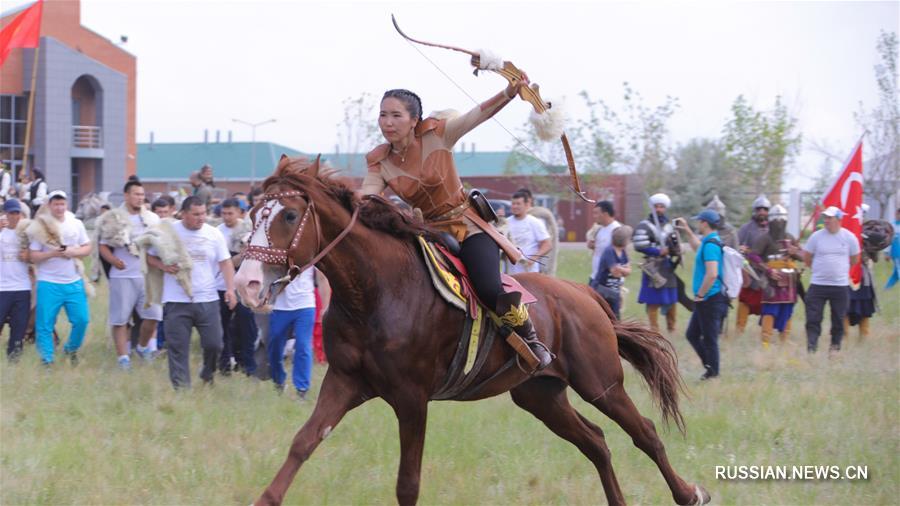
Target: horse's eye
{"type": "Point", "coordinates": [291, 216]}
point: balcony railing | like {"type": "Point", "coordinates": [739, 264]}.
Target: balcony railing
{"type": "Point", "coordinates": [87, 137]}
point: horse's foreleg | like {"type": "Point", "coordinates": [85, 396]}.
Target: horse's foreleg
{"type": "Point", "coordinates": [545, 398]}
{"type": "Point", "coordinates": [339, 394]}
{"type": "Point", "coordinates": [412, 413]}
{"type": "Point", "coordinates": [617, 405]}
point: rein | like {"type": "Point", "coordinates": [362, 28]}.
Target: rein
{"type": "Point", "coordinates": [282, 256]}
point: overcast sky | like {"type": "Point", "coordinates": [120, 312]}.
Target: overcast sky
{"type": "Point", "coordinates": [203, 62]}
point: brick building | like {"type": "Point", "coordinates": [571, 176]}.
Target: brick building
{"type": "Point", "coordinates": [83, 134]}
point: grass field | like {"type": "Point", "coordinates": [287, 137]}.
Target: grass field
{"type": "Point", "coordinates": [95, 435]}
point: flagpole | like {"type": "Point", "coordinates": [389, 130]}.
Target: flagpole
{"type": "Point", "coordinates": [30, 118]}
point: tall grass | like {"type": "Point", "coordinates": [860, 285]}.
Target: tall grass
{"type": "Point", "coordinates": [95, 435]}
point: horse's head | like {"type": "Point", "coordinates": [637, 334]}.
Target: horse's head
{"type": "Point", "coordinates": [286, 233]}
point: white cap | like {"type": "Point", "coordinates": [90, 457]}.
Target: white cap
{"type": "Point", "coordinates": [57, 194]}
{"type": "Point", "coordinates": [660, 198]}
{"type": "Point", "coordinates": [833, 212]}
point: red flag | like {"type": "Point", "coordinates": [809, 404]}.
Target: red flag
{"type": "Point", "coordinates": [23, 31]}
{"type": "Point", "coordinates": [847, 194]}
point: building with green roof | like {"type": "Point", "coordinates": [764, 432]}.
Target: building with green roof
{"type": "Point", "coordinates": [231, 161]}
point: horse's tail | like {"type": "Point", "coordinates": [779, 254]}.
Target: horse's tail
{"type": "Point", "coordinates": [654, 357]}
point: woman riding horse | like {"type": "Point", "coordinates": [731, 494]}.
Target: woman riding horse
{"type": "Point", "coordinates": [417, 164]}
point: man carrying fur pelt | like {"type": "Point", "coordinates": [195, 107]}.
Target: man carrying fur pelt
{"type": "Point", "coordinates": [183, 310]}
{"type": "Point", "coordinates": [58, 243]}
{"type": "Point", "coordinates": [115, 232]}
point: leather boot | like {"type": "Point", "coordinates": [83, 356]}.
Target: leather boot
{"type": "Point", "coordinates": [670, 318]}
{"type": "Point", "coordinates": [768, 328]}
{"type": "Point", "coordinates": [786, 333]}
{"type": "Point", "coordinates": [743, 313]}
{"type": "Point", "coordinates": [653, 316]}
{"type": "Point", "coordinates": [514, 316]}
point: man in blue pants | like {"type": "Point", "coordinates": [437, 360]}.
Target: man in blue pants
{"type": "Point", "coordinates": [15, 284]}
{"type": "Point", "coordinates": [59, 282]}
{"type": "Point", "coordinates": [710, 300]}
{"type": "Point", "coordinates": [294, 309]}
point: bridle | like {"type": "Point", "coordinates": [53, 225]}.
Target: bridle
{"type": "Point", "coordinates": [285, 257]}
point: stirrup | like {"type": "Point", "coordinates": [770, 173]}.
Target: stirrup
{"type": "Point", "coordinates": [544, 356]}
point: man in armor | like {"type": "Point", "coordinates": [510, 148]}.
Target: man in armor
{"type": "Point", "coordinates": [657, 240]}
{"type": "Point", "coordinates": [781, 277]}
{"type": "Point", "coordinates": [876, 236]}
{"type": "Point", "coordinates": [750, 298]}
{"type": "Point", "coordinates": [727, 232]}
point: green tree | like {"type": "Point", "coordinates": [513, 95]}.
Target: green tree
{"type": "Point", "coordinates": [358, 130]}
{"type": "Point", "coordinates": [882, 124]}
{"type": "Point", "coordinates": [634, 139]}
{"type": "Point", "coordinates": [758, 147]}
{"type": "Point", "coordinates": [700, 174]}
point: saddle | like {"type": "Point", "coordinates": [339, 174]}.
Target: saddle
{"type": "Point", "coordinates": [481, 327]}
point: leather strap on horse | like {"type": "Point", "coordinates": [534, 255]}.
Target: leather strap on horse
{"type": "Point", "coordinates": [321, 255]}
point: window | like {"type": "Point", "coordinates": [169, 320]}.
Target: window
{"type": "Point", "coordinates": [13, 110]}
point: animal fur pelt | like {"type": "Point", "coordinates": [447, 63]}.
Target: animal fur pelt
{"type": "Point", "coordinates": [23, 244]}
{"type": "Point", "coordinates": [21, 234]}
{"type": "Point", "coordinates": [114, 228]}
{"type": "Point", "coordinates": [548, 265]}
{"type": "Point", "coordinates": [169, 248]}
{"type": "Point", "coordinates": [240, 236]}
{"type": "Point", "coordinates": [44, 228]}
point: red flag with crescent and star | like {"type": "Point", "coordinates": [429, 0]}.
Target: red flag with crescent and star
{"type": "Point", "coordinates": [847, 195]}
{"type": "Point", "coordinates": [23, 31]}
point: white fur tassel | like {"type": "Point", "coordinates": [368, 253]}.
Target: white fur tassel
{"type": "Point", "coordinates": [488, 60]}
{"type": "Point", "coordinates": [550, 124]}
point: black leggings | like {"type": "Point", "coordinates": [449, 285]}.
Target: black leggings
{"type": "Point", "coordinates": [481, 256]}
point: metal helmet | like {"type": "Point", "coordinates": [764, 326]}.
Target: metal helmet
{"type": "Point", "coordinates": [761, 201]}
{"type": "Point", "coordinates": [716, 205]}
{"type": "Point", "coordinates": [660, 198]}
{"type": "Point", "coordinates": [778, 212]}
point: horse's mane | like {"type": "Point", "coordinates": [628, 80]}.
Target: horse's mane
{"type": "Point", "coordinates": [375, 212]}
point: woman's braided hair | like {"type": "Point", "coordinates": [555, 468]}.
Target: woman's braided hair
{"type": "Point", "coordinates": [412, 101]}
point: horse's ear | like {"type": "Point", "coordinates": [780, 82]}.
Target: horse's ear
{"type": "Point", "coordinates": [283, 164]}
{"type": "Point", "coordinates": [314, 168]}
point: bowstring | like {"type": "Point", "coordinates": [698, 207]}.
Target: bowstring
{"type": "Point", "coordinates": [476, 102]}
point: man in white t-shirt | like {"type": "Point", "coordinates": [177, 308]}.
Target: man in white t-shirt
{"type": "Point", "coordinates": [830, 252]}
{"type": "Point", "coordinates": [294, 309]}
{"type": "Point", "coordinates": [15, 283]}
{"type": "Point", "coordinates": [529, 234]}
{"type": "Point", "coordinates": [59, 281]}
{"type": "Point", "coordinates": [181, 313]}
{"type": "Point", "coordinates": [605, 218]}
{"type": "Point", "coordinates": [238, 325]}
{"type": "Point", "coordinates": [126, 282]}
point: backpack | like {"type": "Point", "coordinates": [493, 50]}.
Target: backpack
{"type": "Point", "coordinates": [730, 269]}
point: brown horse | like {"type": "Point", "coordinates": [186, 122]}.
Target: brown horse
{"type": "Point", "coordinates": [390, 335]}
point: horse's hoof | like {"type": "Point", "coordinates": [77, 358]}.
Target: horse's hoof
{"type": "Point", "coordinates": [701, 496]}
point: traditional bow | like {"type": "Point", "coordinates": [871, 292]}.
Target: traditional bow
{"type": "Point", "coordinates": [530, 94]}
